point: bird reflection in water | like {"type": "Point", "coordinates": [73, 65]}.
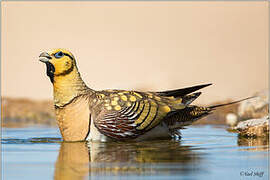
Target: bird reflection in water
{"type": "Point", "coordinates": [72, 162]}
{"type": "Point", "coordinates": [81, 160]}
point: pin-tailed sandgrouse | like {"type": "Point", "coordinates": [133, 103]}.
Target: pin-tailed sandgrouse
{"type": "Point", "coordinates": [85, 114]}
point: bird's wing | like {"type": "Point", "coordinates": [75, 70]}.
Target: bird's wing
{"type": "Point", "coordinates": [128, 114]}
{"type": "Point", "coordinates": [182, 92]}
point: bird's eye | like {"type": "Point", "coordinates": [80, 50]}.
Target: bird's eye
{"type": "Point", "coordinates": [58, 54]}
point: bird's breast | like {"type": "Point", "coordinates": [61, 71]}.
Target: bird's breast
{"type": "Point", "coordinates": [74, 120]}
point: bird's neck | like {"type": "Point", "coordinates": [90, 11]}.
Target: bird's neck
{"type": "Point", "coordinates": [67, 87]}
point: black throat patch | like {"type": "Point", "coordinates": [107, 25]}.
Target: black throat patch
{"type": "Point", "coordinates": [50, 71]}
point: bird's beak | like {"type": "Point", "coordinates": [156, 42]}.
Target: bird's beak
{"type": "Point", "coordinates": [44, 57]}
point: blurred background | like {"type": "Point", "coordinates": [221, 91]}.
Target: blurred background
{"type": "Point", "coordinates": [150, 46]}
{"type": "Point", "coordinates": [139, 45]}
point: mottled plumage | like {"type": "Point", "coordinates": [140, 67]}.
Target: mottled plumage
{"type": "Point", "coordinates": [129, 114]}
{"type": "Point", "coordinates": [86, 114]}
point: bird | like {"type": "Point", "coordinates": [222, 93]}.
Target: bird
{"type": "Point", "coordinates": [84, 114]}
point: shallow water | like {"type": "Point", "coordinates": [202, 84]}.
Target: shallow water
{"type": "Point", "coordinates": [204, 152]}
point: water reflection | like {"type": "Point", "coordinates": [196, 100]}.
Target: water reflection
{"type": "Point", "coordinates": [72, 162]}
{"type": "Point", "coordinates": [80, 160]}
{"type": "Point", "coordinates": [203, 153]}
{"type": "Point", "coordinates": [254, 144]}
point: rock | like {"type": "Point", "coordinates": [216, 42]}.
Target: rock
{"type": "Point", "coordinates": [253, 127]}
{"type": "Point", "coordinates": [254, 108]}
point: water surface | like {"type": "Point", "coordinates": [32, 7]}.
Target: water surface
{"type": "Point", "coordinates": [204, 152]}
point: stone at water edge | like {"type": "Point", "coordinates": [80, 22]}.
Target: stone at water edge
{"type": "Point", "coordinates": [253, 127]}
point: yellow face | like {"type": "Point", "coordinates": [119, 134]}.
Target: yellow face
{"type": "Point", "coordinates": [58, 61]}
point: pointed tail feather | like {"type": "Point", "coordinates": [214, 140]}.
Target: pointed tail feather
{"type": "Point", "coordinates": [188, 115]}
{"type": "Point", "coordinates": [234, 102]}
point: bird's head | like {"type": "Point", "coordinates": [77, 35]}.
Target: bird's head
{"type": "Point", "coordinates": [59, 62]}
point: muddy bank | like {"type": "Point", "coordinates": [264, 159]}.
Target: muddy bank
{"type": "Point", "coordinates": [25, 112]}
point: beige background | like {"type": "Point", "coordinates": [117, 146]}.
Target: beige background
{"type": "Point", "coordinates": [139, 45]}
